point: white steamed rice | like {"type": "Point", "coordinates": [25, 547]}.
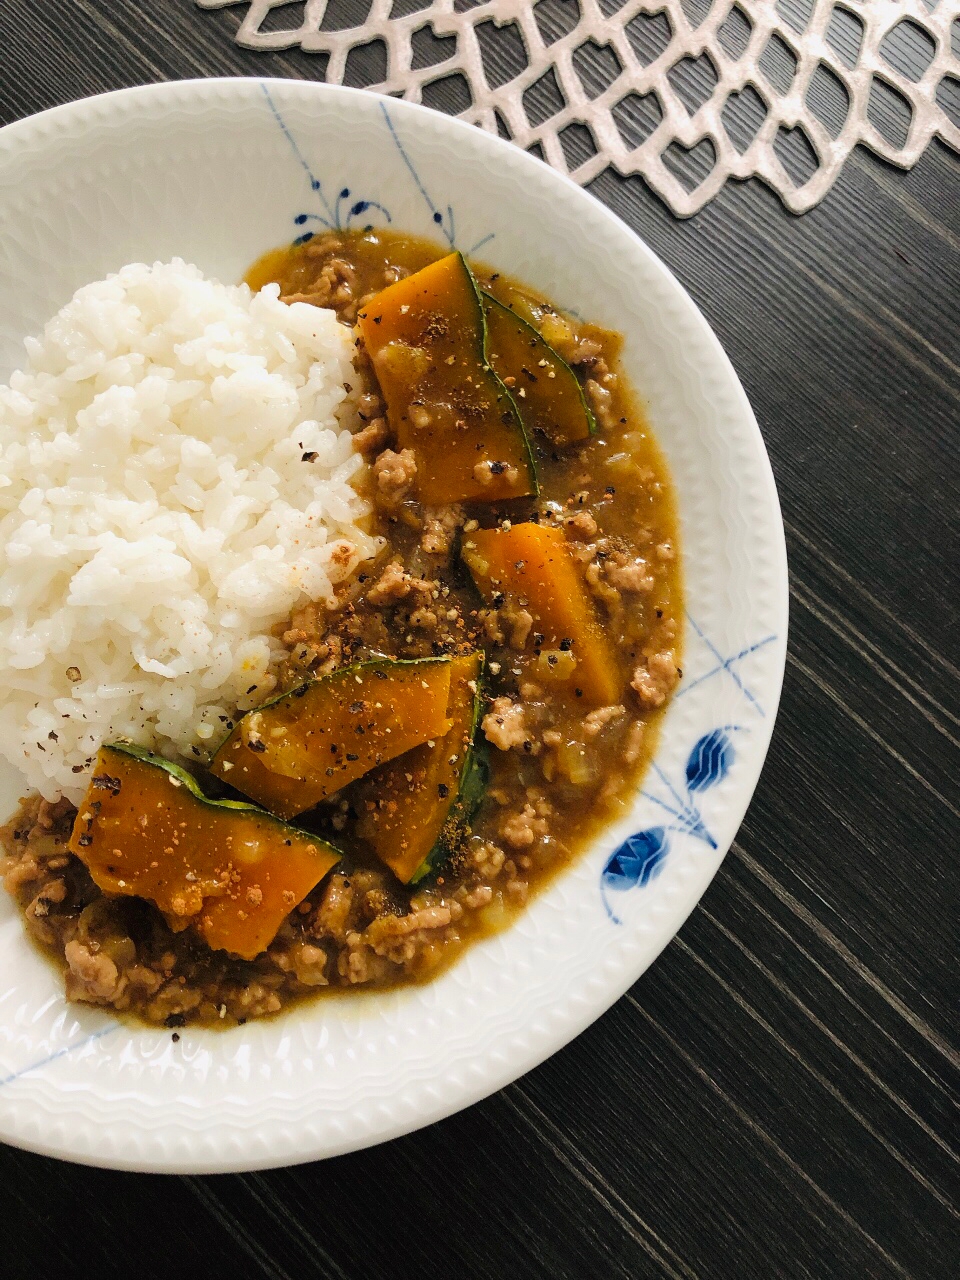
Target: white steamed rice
{"type": "Point", "coordinates": [157, 517]}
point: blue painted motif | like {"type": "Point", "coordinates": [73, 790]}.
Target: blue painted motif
{"type": "Point", "coordinates": [634, 864]}
{"type": "Point", "coordinates": [60, 1053]}
{"type": "Point", "coordinates": [335, 216]}
{"type": "Point", "coordinates": [343, 213]}
{"type": "Point", "coordinates": [640, 858]}
{"type": "Point", "coordinates": [444, 220]}
{"type": "Point", "coordinates": [727, 665]}
{"type": "Point", "coordinates": [710, 761]}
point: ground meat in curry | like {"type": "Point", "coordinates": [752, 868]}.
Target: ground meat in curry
{"type": "Point", "coordinates": [557, 773]}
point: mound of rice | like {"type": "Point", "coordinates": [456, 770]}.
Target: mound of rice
{"type": "Point", "coordinates": [175, 477]}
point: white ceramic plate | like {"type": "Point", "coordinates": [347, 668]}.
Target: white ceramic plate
{"type": "Point", "coordinates": [218, 171]}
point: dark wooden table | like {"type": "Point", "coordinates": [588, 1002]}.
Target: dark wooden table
{"type": "Point", "coordinates": [776, 1097]}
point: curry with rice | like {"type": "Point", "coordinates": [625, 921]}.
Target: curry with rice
{"type": "Point", "coordinates": [449, 728]}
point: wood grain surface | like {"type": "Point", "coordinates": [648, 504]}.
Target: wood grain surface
{"type": "Point", "coordinates": [777, 1096]}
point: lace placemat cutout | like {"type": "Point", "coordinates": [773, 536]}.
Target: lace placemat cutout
{"type": "Point", "coordinates": [687, 93]}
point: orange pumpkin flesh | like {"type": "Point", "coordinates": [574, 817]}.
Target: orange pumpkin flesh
{"type": "Point", "coordinates": [425, 335]}
{"type": "Point", "coordinates": [406, 805]}
{"type": "Point", "coordinates": [145, 829]}
{"type": "Point", "coordinates": [293, 752]}
{"type": "Point", "coordinates": [531, 565]}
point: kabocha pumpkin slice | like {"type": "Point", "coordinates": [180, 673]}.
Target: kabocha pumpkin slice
{"type": "Point", "coordinates": [426, 336]}
{"type": "Point", "coordinates": [552, 325]}
{"type": "Point", "coordinates": [545, 388]}
{"type": "Point", "coordinates": [415, 811]}
{"type": "Point", "coordinates": [294, 751]}
{"type": "Point", "coordinates": [530, 566]}
{"type": "Point", "coordinates": [145, 829]}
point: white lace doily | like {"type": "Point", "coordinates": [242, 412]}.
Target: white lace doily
{"type": "Point", "coordinates": [687, 93]}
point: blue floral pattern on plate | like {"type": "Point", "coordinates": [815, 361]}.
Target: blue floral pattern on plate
{"type": "Point", "coordinates": [641, 856]}
{"type": "Point", "coordinates": [344, 211]}
{"type": "Point", "coordinates": [339, 213]}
